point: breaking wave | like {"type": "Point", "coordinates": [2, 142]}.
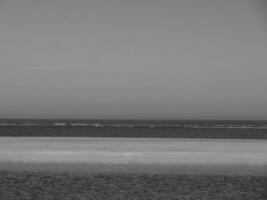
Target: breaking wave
{"type": "Point", "coordinates": [144, 125]}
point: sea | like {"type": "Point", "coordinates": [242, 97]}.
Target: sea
{"type": "Point", "coordinates": [232, 129]}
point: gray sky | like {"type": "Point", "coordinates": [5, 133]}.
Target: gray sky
{"type": "Point", "coordinates": [161, 59]}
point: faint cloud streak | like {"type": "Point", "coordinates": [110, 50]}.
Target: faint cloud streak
{"type": "Point", "coordinates": [37, 68]}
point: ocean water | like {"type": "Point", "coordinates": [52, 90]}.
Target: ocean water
{"type": "Point", "coordinates": [137, 123]}
{"type": "Point", "coordinates": [135, 128]}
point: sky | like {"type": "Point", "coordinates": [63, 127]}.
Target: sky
{"type": "Point", "coordinates": [141, 59]}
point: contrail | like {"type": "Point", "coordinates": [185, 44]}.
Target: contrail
{"type": "Point", "coordinates": [37, 68]}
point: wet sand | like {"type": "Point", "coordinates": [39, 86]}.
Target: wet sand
{"type": "Point", "coordinates": [130, 155]}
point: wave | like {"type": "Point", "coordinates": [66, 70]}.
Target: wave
{"type": "Point", "coordinates": [128, 125]}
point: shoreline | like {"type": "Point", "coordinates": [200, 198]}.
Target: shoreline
{"type": "Point", "coordinates": [137, 155]}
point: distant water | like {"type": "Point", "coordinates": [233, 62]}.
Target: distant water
{"type": "Point", "coordinates": [135, 128]}
{"type": "Point", "coordinates": [181, 124]}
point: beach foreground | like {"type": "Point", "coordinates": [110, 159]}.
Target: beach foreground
{"type": "Point", "coordinates": [68, 186]}
{"type": "Point", "coordinates": [144, 169]}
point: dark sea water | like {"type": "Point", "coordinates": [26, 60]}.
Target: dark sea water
{"type": "Point", "coordinates": [135, 128]}
{"type": "Point", "coordinates": [138, 123]}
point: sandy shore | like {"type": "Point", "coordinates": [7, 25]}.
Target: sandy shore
{"type": "Point", "coordinates": [130, 155]}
